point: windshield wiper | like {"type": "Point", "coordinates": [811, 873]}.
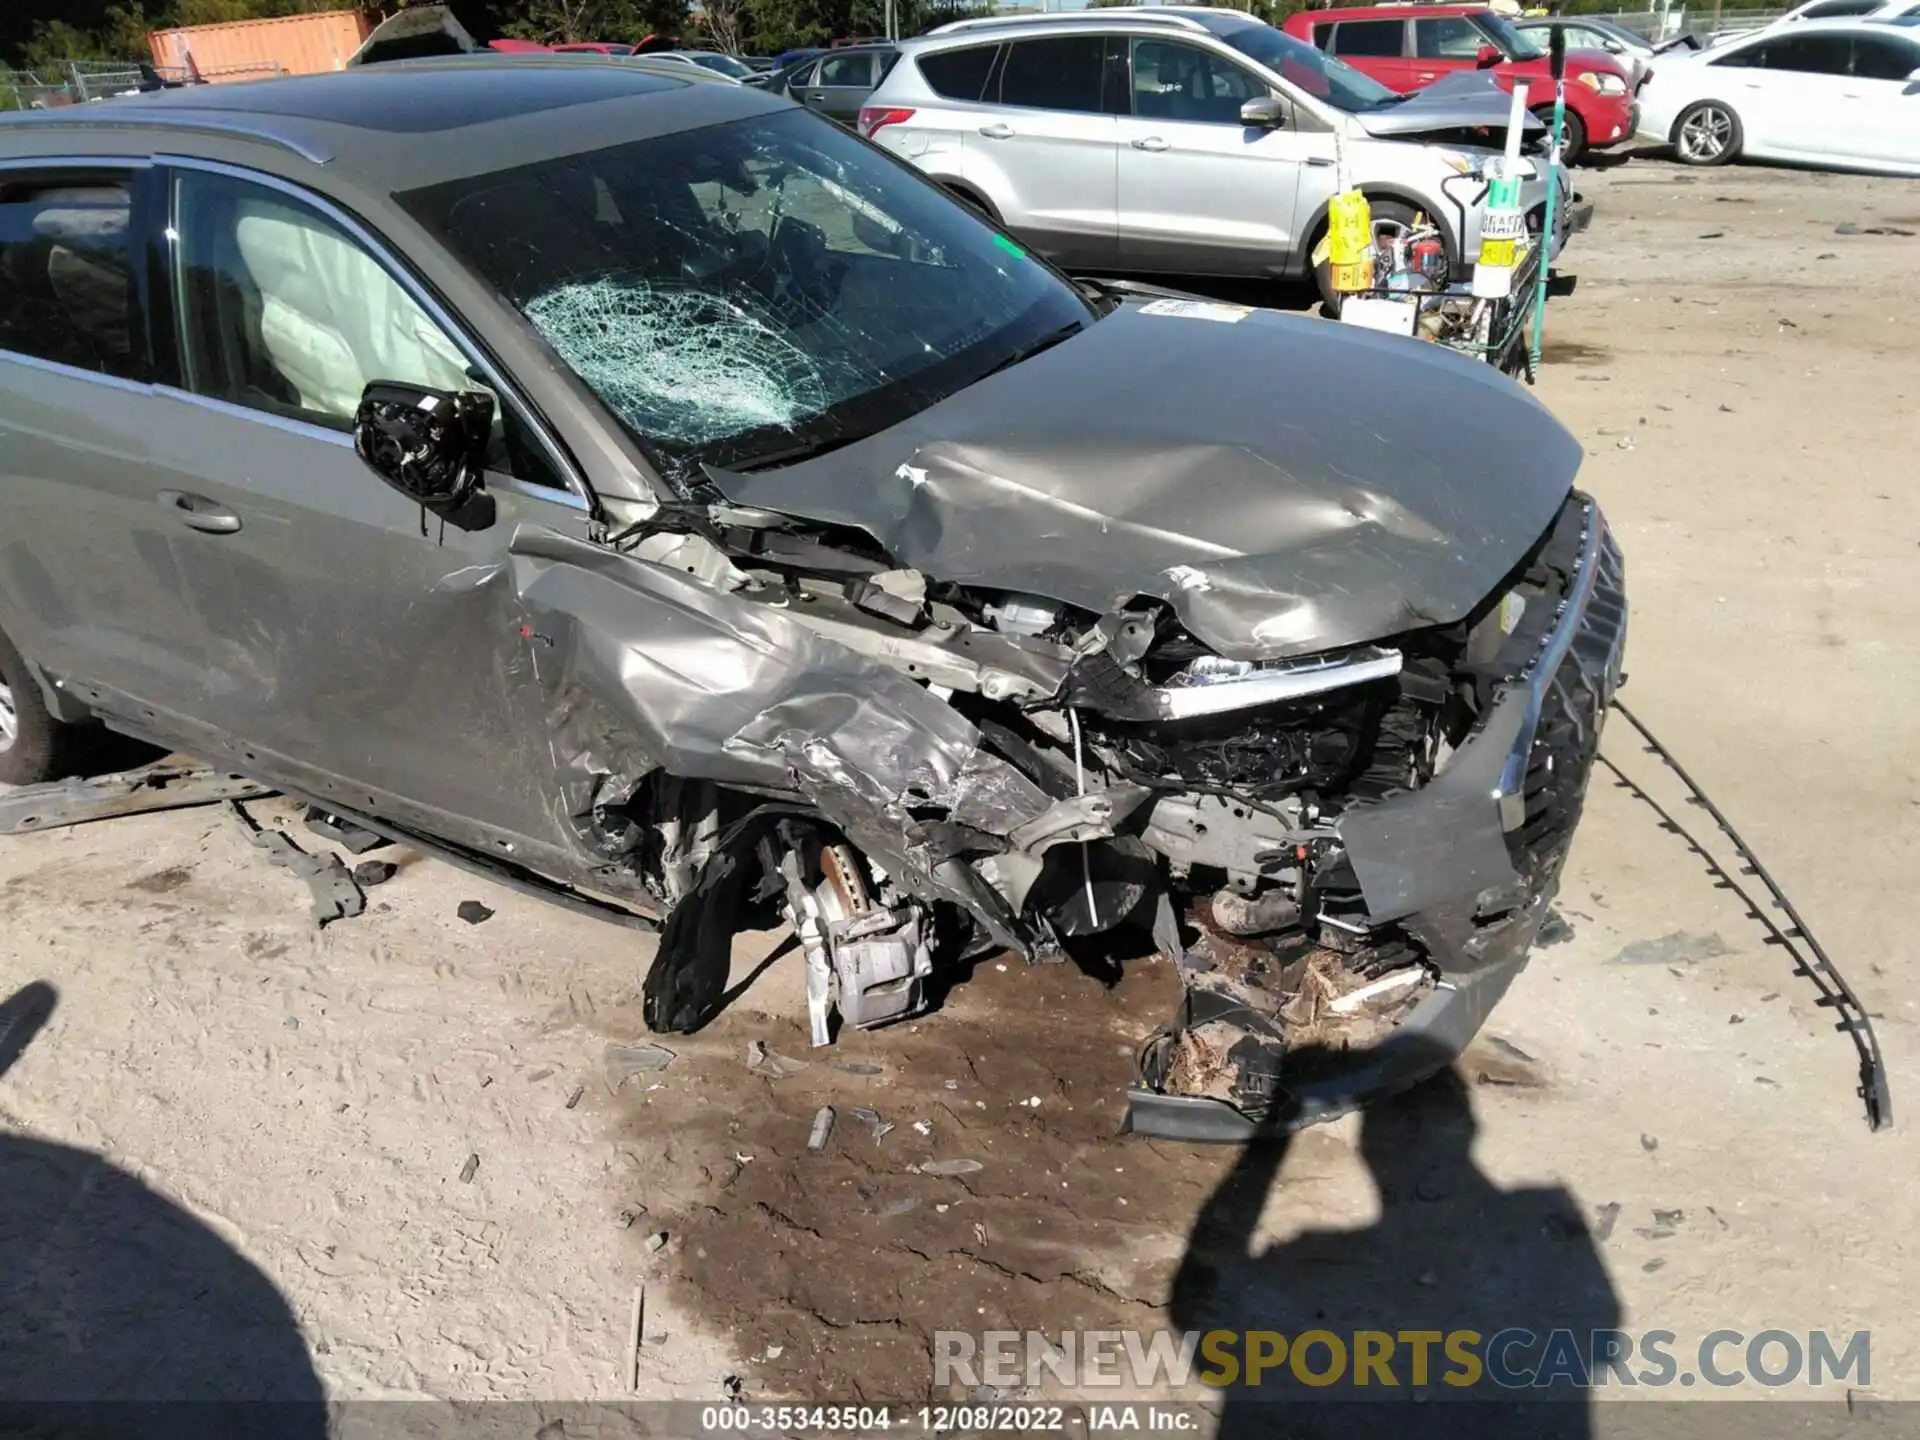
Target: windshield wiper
{"type": "Point", "coordinates": [1027, 352]}
{"type": "Point", "coordinates": [792, 454]}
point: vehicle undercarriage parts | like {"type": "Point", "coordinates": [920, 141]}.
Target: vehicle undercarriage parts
{"type": "Point", "coordinates": [865, 959]}
{"type": "Point", "coordinates": [1382, 914]}
{"type": "Point", "coordinates": [354, 839]}
{"type": "Point", "coordinates": [1808, 955]}
{"type": "Point", "coordinates": [335, 896]}
{"type": "Point", "coordinates": [167, 785]}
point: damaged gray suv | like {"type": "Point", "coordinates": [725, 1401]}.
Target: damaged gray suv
{"type": "Point", "coordinates": [649, 493]}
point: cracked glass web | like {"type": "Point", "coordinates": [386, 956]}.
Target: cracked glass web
{"type": "Point", "coordinates": [678, 362]}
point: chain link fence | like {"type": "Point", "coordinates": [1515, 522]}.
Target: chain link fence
{"type": "Point", "coordinates": [80, 82]}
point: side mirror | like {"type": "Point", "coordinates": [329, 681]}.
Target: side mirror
{"type": "Point", "coordinates": [430, 445]}
{"type": "Point", "coordinates": [1614, 47]}
{"type": "Point", "coordinates": [1487, 57]}
{"type": "Point", "coordinates": [1264, 112]}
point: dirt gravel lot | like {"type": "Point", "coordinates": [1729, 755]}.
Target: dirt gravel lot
{"type": "Point", "coordinates": [405, 1123]}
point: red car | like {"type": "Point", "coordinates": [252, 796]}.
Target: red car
{"type": "Point", "coordinates": [1409, 47]}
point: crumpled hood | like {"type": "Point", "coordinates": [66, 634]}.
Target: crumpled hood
{"type": "Point", "coordinates": [1287, 484]}
{"type": "Point", "coordinates": [1467, 99]}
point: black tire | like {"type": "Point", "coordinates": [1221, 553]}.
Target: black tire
{"type": "Point", "coordinates": [1707, 132]}
{"type": "Point", "coordinates": [33, 745]}
{"type": "Point", "coordinates": [1573, 140]}
{"type": "Point", "coordinates": [1382, 211]}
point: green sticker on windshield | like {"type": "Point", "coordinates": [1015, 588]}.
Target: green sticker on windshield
{"type": "Point", "coordinates": [1007, 245]}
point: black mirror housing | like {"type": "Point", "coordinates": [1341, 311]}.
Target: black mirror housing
{"type": "Point", "coordinates": [430, 445]}
{"type": "Point", "coordinates": [1264, 112]}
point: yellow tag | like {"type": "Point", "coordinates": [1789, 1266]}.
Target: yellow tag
{"type": "Point", "coordinates": [1497, 253]}
{"type": "Point", "coordinates": [1348, 278]}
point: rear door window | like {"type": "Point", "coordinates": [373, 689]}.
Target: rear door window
{"type": "Point", "coordinates": [1054, 74]}
{"type": "Point", "coordinates": [1379, 39]}
{"type": "Point", "coordinates": [66, 280]}
{"type": "Point", "coordinates": [1875, 58]}
{"type": "Point", "coordinates": [959, 74]}
{"type": "Point", "coordinates": [854, 72]}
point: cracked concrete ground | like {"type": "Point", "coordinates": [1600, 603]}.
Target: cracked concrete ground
{"type": "Point", "coordinates": [1746, 392]}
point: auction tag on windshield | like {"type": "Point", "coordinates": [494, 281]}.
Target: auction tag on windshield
{"type": "Point", "coordinates": [1198, 310]}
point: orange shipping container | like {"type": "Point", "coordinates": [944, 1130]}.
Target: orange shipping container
{"type": "Point", "coordinates": [250, 49]}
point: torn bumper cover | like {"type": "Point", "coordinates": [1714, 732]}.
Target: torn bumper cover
{"type": "Point", "coordinates": [1462, 869]}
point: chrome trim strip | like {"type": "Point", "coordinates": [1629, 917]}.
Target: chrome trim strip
{"type": "Point", "coordinates": [77, 162]}
{"type": "Point", "coordinates": [197, 122]}
{"type": "Point", "coordinates": [402, 276]}
{"type": "Point", "coordinates": [305, 429]}
{"type": "Point", "coordinates": [1265, 688]}
{"type": "Point", "coordinates": [74, 372]}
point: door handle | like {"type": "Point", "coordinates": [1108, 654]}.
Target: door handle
{"type": "Point", "coordinates": [197, 512]}
{"type": "Point", "coordinates": [1152, 142]}
{"type": "Point", "coordinates": [1427, 75]}
{"type": "Point", "coordinates": [1320, 160]}
{"type": "Point", "coordinates": [997, 131]}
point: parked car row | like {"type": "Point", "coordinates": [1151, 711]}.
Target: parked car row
{"type": "Point", "coordinates": [1840, 94]}
{"type": "Point", "coordinates": [1187, 141]}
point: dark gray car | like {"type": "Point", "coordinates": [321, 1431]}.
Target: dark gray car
{"type": "Point", "coordinates": [642, 489]}
{"type": "Point", "coordinates": [839, 82]}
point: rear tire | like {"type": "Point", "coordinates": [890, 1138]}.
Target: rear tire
{"type": "Point", "coordinates": [33, 745]}
{"type": "Point", "coordinates": [1386, 214]}
{"type": "Point", "coordinates": [1707, 133]}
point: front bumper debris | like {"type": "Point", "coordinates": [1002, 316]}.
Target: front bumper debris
{"type": "Point", "coordinates": [1457, 877]}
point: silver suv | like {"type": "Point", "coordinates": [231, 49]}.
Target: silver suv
{"type": "Point", "coordinates": [1184, 140]}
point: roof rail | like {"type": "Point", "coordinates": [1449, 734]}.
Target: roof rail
{"type": "Point", "coordinates": [1117, 14]}
{"type": "Point", "coordinates": [98, 118]}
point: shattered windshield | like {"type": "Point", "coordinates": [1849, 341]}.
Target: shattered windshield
{"type": "Point", "coordinates": [754, 289]}
{"type": "Point", "coordinates": [1319, 74]}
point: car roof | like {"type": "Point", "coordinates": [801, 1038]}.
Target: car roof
{"type": "Point", "coordinates": [1392, 12]}
{"type": "Point", "coordinates": [379, 120]}
{"type": "Point", "coordinates": [1191, 18]}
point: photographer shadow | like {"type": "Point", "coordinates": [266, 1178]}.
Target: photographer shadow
{"type": "Point", "coordinates": [120, 1313]}
{"type": "Point", "coordinates": [1450, 1252]}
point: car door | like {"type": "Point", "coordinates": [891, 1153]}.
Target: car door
{"type": "Point", "coordinates": [1445, 45]}
{"type": "Point", "coordinates": [1790, 93]}
{"type": "Point", "coordinates": [1377, 48]}
{"type": "Point", "coordinates": [1201, 193]}
{"type": "Point", "coordinates": [89, 586]}
{"type": "Point", "coordinates": [1887, 103]}
{"type": "Point", "coordinates": [840, 84]}
{"type": "Point", "coordinates": [1054, 149]}
{"type": "Point", "coordinates": [355, 646]}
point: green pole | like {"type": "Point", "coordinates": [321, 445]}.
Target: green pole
{"type": "Point", "coordinates": [1558, 52]}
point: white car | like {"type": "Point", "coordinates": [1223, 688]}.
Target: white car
{"type": "Point", "coordinates": [1837, 94]}
{"type": "Point", "coordinates": [1825, 10]}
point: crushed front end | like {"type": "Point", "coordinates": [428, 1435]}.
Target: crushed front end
{"type": "Point", "coordinates": [1366, 928]}
{"type": "Point", "coordinates": [1347, 852]}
